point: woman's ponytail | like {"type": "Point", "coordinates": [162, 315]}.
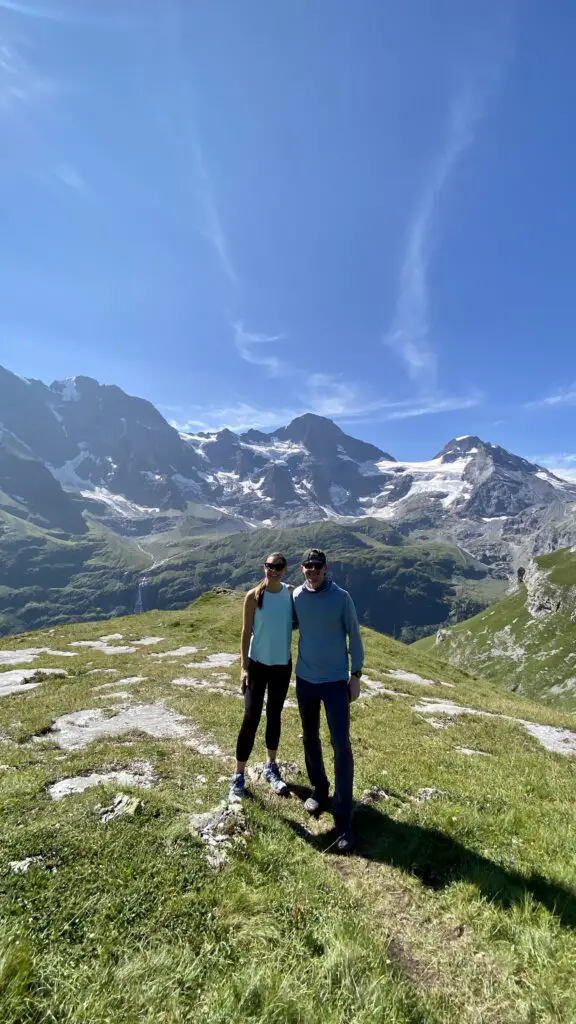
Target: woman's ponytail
{"type": "Point", "coordinates": [259, 593]}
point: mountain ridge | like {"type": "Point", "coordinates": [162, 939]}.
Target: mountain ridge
{"type": "Point", "coordinates": [89, 472]}
{"type": "Point", "coordinates": [105, 447]}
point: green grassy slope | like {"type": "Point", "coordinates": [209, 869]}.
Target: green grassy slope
{"type": "Point", "coordinates": [527, 641]}
{"type": "Point", "coordinates": [48, 577]}
{"type": "Point", "coordinates": [459, 909]}
{"type": "Point", "coordinates": [401, 588]}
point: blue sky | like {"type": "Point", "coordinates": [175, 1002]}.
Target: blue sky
{"type": "Point", "coordinates": [246, 210]}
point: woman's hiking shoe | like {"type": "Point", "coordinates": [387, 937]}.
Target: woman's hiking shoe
{"type": "Point", "coordinates": [271, 775]}
{"type": "Point", "coordinates": [315, 804]}
{"type": "Point", "coordinates": [237, 786]}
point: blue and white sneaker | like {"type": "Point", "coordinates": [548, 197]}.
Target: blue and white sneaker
{"type": "Point", "coordinates": [271, 775]}
{"type": "Point", "coordinates": [237, 787]}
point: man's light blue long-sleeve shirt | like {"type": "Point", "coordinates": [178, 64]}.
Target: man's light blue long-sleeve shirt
{"type": "Point", "coordinates": [329, 634]}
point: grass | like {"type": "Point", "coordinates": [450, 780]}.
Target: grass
{"type": "Point", "coordinates": [66, 577]}
{"type": "Point", "coordinates": [457, 910]}
{"type": "Point", "coordinates": [403, 588]}
{"type": "Point", "coordinates": [534, 655]}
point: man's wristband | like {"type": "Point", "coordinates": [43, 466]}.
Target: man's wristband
{"type": "Point", "coordinates": [358, 673]}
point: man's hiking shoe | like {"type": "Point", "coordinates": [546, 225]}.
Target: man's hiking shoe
{"type": "Point", "coordinates": [271, 775]}
{"type": "Point", "coordinates": [315, 805]}
{"type": "Point", "coordinates": [237, 787]}
{"type": "Point", "coordinates": [345, 842]}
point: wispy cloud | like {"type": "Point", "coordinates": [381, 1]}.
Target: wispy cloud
{"type": "Point", "coordinates": [250, 346]}
{"type": "Point", "coordinates": [429, 405]}
{"type": "Point", "coordinates": [323, 395]}
{"type": "Point", "coordinates": [562, 464]}
{"type": "Point", "coordinates": [409, 334]}
{"type": "Point", "coordinates": [116, 17]}
{"type": "Point", "coordinates": [25, 96]}
{"type": "Point", "coordinates": [239, 417]}
{"type": "Point", "coordinates": [21, 86]}
{"type": "Point", "coordinates": [72, 179]}
{"type": "Point", "coordinates": [564, 396]}
{"type": "Point", "coordinates": [66, 12]}
{"type": "Point", "coordinates": [46, 13]}
{"type": "Point", "coordinates": [213, 228]}
{"type": "Point", "coordinates": [329, 395]}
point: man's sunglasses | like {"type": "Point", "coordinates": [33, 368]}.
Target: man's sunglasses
{"type": "Point", "coordinates": [275, 566]}
{"type": "Point", "coordinates": [313, 565]}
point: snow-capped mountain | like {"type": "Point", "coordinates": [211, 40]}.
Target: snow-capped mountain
{"type": "Point", "coordinates": [78, 447]}
{"type": "Point", "coordinates": [311, 468]}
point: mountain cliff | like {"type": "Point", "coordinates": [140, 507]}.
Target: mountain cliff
{"type": "Point", "coordinates": [527, 640]}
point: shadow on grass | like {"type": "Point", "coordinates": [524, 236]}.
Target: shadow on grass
{"type": "Point", "coordinates": [439, 860]}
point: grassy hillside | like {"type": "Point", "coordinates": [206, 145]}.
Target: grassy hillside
{"type": "Point", "coordinates": [48, 577]}
{"type": "Point", "coordinates": [458, 908]}
{"type": "Point", "coordinates": [401, 588]}
{"type": "Point", "coordinates": [527, 641]}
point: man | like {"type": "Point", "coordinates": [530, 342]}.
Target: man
{"type": "Point", "coordinates": [329, 636]}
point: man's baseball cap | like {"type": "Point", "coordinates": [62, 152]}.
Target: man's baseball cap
{"type": "Point", "coordinates": [314, 556]}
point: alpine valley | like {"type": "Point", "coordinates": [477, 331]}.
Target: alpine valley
{"type": "Point", "coordinates": [105, 509]}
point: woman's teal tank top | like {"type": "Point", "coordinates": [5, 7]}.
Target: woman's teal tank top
{"type": "Point", "coordinates": [271, 641]}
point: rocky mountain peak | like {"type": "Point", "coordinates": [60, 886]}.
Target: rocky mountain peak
{"type": "Point", "coordinates": [255, 437]}
{"type": "Point", "coordinates": [459, 447]}
{"type": "Point", "coordinates": [321, 436]}
{"type": "Point", "coordinates": [487, 452]}
{"type": "Point", "coordinates": [73, 389]}
{"type": "Point", "coordinates": [308, 427]}
{"type": "Point", "coordinates": [227, 435]}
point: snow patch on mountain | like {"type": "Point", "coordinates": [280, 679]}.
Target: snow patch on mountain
{"type": "Point", "coordinates": [67, 474]}
{"type": "Point", "coordinates": [433, 476]}
{"type": "Point", "coordinates": [544, 474]}
{"type": "Point", "coordinates": [339, 495]}
{"type": "Point", "coordinates": [277, 452]}
{"type": "Point", "coordinates": [119, 504]}
{"type": "Point", "coordinates": [68, 390]}
{"type": "Point", "coordinates": [370, 468]}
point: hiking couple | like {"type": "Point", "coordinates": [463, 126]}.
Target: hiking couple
{"type": "Point", "coordinates": [329, 638]}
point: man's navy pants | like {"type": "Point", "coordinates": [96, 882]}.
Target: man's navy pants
{"type": "Point", "coordinates": [336, 700]}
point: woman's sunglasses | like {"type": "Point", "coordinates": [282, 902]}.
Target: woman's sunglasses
{"type": "Point", "coordinates": [275, 566]}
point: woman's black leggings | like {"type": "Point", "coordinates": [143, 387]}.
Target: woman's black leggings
{"type": "Point", "coordinates": [277, 679]}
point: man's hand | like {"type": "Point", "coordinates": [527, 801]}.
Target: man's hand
{"type": "Point", "coordinates": [243, 680]}
{"type": "Point", "coordinates": [354, 686]}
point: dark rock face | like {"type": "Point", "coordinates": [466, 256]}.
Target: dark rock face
{"type": "Point", "coordinates": [254, 437]}
{"type": "Point", "coordinates": [91, 436]}
{"type": "Point", "coordinates": [503, 484]}
{"type": "Point", "coordinates": [323, 438]}
{"type": "Point", "coordinates": [277, 485]}
{"type": "Point", "coordinates": [33, 493]}
{"type": "Point", "coordinates": [26, 413]}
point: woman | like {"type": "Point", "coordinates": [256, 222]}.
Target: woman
{"type": "Point", "coordinates": [266, 664]}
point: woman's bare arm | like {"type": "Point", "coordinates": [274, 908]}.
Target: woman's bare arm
{"type": "Point", "coordinates": [247, 625]}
